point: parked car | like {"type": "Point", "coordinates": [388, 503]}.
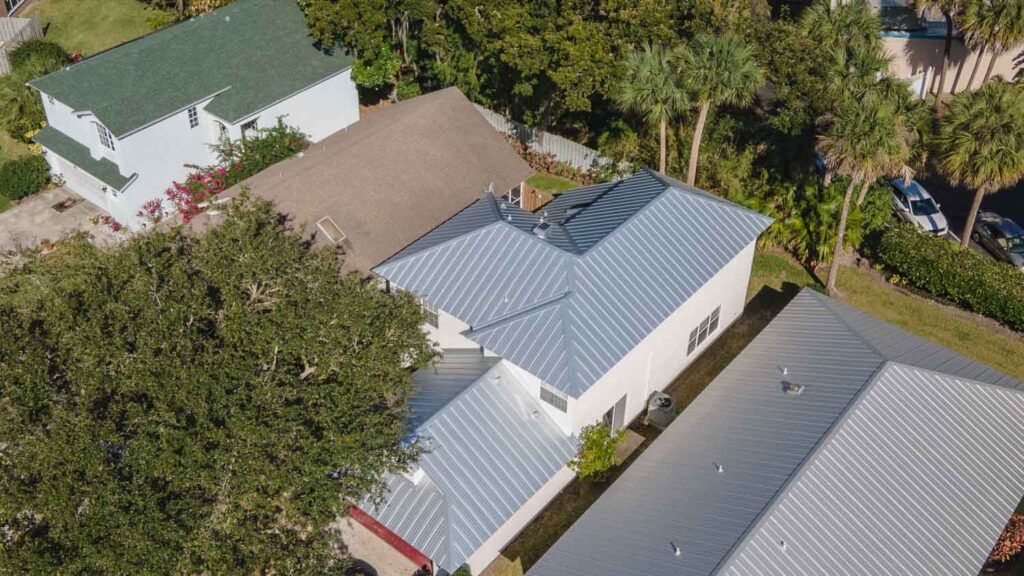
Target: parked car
{"type": "Point", "coordinates": [1001, 237]}
{"type": "Point", "coordinates": [915, 205]}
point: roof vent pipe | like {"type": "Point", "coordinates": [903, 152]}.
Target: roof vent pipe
{"type": "Point", "coordinates": [675, 549]}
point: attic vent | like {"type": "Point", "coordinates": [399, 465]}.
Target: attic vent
{"type": "Point", "coordinates": [792, 388]}
{"type": "Point", "coordinates": [331, 230]}
{"type": "Point", "coordinates": [541, 229]}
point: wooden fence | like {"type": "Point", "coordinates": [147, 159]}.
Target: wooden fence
{"type": "Point", "coordinates": [562, 149]}
{"type": "Point", "coordinates": [14, 31]}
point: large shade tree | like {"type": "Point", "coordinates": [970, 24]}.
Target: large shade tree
{"type": "Point", "coordinates": [864, 138]}
{"type": "Point", "coordinates": [651, 88]}
{"type": "Point", "coordinates": [187, 405]}
{"type": "Point", "coordinates": [980, 143]}
{"type": "Point", "coordinates": [716, 70]}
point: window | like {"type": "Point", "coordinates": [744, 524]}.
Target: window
{"type": "Point", "coordinates": [250, 126]}
{"type": "Point", "coordinates": [330, 229]}
{"type": "Point", "coordinates": [430, 312]}
{"type": "Point", "coordinates": [106, 138]}
{"type": "Point", "coordinates": [515, 196]}
{"type": "Point", "coordinates": [706, 328]}
{"type": "Point", "coordinates": [554, 397]}
{"type": "Point", "coordinates": [193, 117]}
{"type": "Point", "coordinates": [49, 99]}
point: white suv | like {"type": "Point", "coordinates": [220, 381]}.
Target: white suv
{"type": "Point", "coordinates": [915, 205]}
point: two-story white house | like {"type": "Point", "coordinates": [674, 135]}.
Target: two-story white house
{"type": "Point", "coordinates": [125, 123]}
{"type": "Point", "coordinates": [549, 322]}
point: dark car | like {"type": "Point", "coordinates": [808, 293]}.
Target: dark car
{"type": "Point", "coordinates": [1001, 237]}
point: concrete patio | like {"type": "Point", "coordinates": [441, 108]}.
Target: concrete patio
{"type": "Point", "coordinates": [35, 220]}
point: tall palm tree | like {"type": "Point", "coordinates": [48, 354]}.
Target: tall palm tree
{"type": "Point", "coordinates": [864, 138]}
{"type": "Point", "coordinates": [947, 8]}
{"type": "Point", "coordinates": [849, 25]}
{"type": "Point", "coordinates": [716, 70]}
{"type": "Point", "coordinates": [980, 143]}
{"type": "Point", "coordinates": [651, 88]}
{"type": "Point", "coordinates": [990, 26]}
{"type": "Point", "coordinates": [1009, 30]}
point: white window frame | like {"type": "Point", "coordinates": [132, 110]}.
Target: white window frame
{"type": "Point", "coordinates": [430, 313]}
{"type": "Point", "coordinates": [555, 398]}
{"type": "Point", "coordinates": [193, 117]}
{"type": "Point", "coordinates": [515, 196]}
{"type": "Point", "coordinates": [704, 330]}
{"type": "Point", "coordinates": [105, 137]}
{"type": "Point", "coordinates": [250, 126]}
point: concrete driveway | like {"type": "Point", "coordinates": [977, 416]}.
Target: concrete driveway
{"type": "Point", "coordinates": [36, 220]}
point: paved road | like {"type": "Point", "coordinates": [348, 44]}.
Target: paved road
{"type": "Point", "coordinates": [956, 202]}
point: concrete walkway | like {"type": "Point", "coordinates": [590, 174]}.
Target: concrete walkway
{"type": "Point", "coordinates": [35, 220]}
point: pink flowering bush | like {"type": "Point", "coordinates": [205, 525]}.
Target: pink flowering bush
{"type": "Point", "coordinates": [108, 221]}
{"type": "Point", "coordinates": [200, 186]}
{"type": "Point", "coordinates": [1010, 543]}
{"type": "Point", "coordinates": [236, 161]}
{"type": "Point", "coordinates": [152, 211]}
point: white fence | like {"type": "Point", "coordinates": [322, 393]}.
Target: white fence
{"type": "Point", "coordinates": [562, 149]}
{"type": "Point", "coordinates": [14, 31]}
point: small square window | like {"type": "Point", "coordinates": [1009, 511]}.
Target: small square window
{"type": "Point", "coordinates": [554, 398]}
{"type": "Point", "coordinates": [193, 117]}
{"type": "Point", "coordinates": [250, 126]}
{"type": "Point", "coordinates": [331, 230]}
{"type": "Point", "coordinates": [714, 319]}
{"type": "Point", "coordinates": [49, 99]}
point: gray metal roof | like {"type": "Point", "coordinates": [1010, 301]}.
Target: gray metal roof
{"type": "Point", "coordinates": [492, 448]}
{"type": "Point", "coordinates": [444, 379]}
{"type": "Point", "coordinates": [568, 306]}
{"type": "Point", "coordinates": [763, 439]}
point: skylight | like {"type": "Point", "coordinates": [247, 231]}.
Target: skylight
{"type": "Point", "coordinates": [331, 230]}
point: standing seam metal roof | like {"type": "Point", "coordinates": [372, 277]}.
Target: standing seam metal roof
{"type": "Point", "coordinates": [567, 317]}
{"type": "Point", "coordinates": [492, 447]}
{"type": "Point", "coordinates": [862, 376]}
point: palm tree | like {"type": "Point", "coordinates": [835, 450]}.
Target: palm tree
{"type": "Point", "coordinates": [947, 8]}
{"type": "Point", "coordinates": [1009, 30]}
{"type": "Point", "coordinates": [981, 143]}
{"type": "Point", "coordinates": [651, 88]}
{"type": "Point", "coordinates": [864, 138]}
{"type": "Point", "coordinates": [991, 26]}
{"type": "Point", "coordinates": [716, 70]}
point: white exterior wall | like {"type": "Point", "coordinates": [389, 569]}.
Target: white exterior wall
{"type": "Point", "coordinates": [319, 111]}
{"type": "Point", "coordinates": [661, 356]}
{"type": "Point", "coordinates": [448, 333]}
{"type": "Point", "coordinates": [490, 549]}
{"type": "Point", "coordinates": [159, 153]}
{"type": "Point", "coordinates": [532, 384]}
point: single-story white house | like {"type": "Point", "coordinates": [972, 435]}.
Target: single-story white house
{"type": "Point", "coordinates": [125, 123]}
{"type": "Point", "coordinates": [549, 322]}
{"type": "Point", "coordinates": [835, 443]}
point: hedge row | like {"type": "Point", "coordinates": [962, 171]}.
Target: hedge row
{"type": "Point", "coordinates": [963, 277]}
{"type": "Point", "coordinates": [23, 176]}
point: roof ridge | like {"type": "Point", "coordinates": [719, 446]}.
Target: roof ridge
{"type": "Point", "coordinates": [535, 307]}
{"type": "Point", "coordinates": [699, 193]}
{"type": "Point", "coordinates": [801, 468]}
{"type": "Point", "coordinates": [399, 256]}
{"type": "Point", "coordinates": [824, 300]}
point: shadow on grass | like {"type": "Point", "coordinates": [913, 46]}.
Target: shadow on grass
{"type": "Point", "coordinates": [524, 551]}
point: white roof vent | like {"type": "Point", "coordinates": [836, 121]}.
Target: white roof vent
{"type": "Point", "coordinates": [719, 468]}
{"type": "Point", "coordinates": [416, 475]}
{"type": "Point", "coordinates": [675, 549]}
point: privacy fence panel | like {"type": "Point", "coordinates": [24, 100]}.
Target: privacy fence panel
{"type": "Point", "coordinates": [562, 149]}
{"type": "Point", "coordinates": [14, 31]}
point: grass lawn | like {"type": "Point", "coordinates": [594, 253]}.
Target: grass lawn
{"type": "Point", "coordinates": [551, 184]}
{"type": "Point", "coordinates": [4, 204]}
{"type": "Point", "coordinates": [775, 280]}
{"type": "Point", "coordinates": [90, 26]}
{"type": "Point", "coordinates": [11, 148]}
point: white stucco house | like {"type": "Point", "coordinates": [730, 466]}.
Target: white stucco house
{"type": "Point", "coordinates": [549, 322]}
{"type": "Point", "coordinates": [125, 123]}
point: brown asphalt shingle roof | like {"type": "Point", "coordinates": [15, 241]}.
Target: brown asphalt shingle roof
{"type": "Point", "coordinates": [393, 176]}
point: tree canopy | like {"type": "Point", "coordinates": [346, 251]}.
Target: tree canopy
{"type": "Point", "coordinates": [196, 405]}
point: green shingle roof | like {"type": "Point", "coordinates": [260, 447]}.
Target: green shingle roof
{"type": "Point", "coordinates": [252, 54]}
{"type": "Point", "coordinates": [67, 148]}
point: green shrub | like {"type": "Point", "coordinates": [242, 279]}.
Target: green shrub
{"type": "Point", "coordinates": [408, 89]}
{"type": "Point", "coordinates": [597, 452]}
{"type": "Point", "coordinates": [22, 177]}
{"type": "Point", "coordinates": [39, 56]}
{"type": "Point", "coordinates": [963, 277]}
